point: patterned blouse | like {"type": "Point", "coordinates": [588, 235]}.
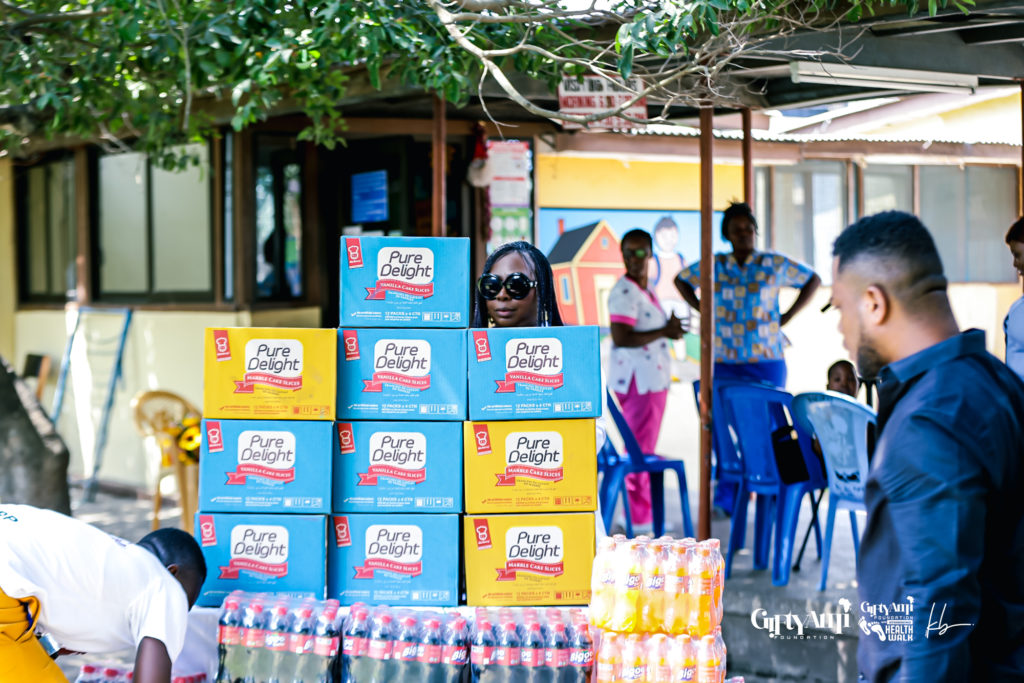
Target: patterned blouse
{"type": "Point", "coordinates": [747, 328]}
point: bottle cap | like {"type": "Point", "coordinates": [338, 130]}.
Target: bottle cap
{"type": "Point", "coordinates": [432, 623]}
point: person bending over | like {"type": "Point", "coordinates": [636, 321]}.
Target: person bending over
{"type": "Point", "coordinates": [92, 592]}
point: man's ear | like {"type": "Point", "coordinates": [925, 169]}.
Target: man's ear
{"type": "Point", "coordinates": [875, 306]}
{"type": "Point", "coordinates": [173, 569]}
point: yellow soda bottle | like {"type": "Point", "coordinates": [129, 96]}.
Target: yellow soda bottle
{"type": "Point", "coordinates": [628, 583]}
{"type": "Point", "coordinates": [708, 670]}
{"type": "Point", "coordinates": [602, 583]}
{"type": "Point", "coordinates": [721, 650]}
{"type": "Point", "coordinates": [659, 659]}
{"type": "Point", "coordinates": [652, 597]}
{"type": "Point", "coordinates": [609, 658]}
{"type": "Point", "coordinates": [702, 591]}
{"type": "Point", "coordinates": [676, 612]}
{"type": "Point", "coordinates": [634, 655]}
{"type": "Point", "coordinates": [684, 660]}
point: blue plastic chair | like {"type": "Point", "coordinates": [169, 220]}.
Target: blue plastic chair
{"type": "Point", "coordinates": [841, 425]}
{"type": "Point", "coordinates": [728, 465]}
{"type": "Point", "coordinates": [607, 460]}
{"type": "Point", "coordinates": [754, 412]}
{"type": "Point", "coordinates": [636, 462]}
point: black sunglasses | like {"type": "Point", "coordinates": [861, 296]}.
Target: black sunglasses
{"type": "Point", "coordinates": [517, 285]}
{"type": "Point", "coordinates": [636, 253]}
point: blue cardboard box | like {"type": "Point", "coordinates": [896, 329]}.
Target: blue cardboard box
{"type": "Point", "coordinates": [530, 373]}
{"type": "Point", "coordinates": [394, 559]}
{"type": "Point", "coordinates": [404, 282]}
{"type": "Point", "coordinates": [282, 554]}
{"type": "Point", "coordinates": [265, 466]}
{"type": "Point", "coordinates": [401, 374]}
{"type": "Point", "coordinates": [398, 467]}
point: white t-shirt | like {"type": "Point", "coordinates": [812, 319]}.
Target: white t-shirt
{"type": "Point", "coordinates": [650, 364]}
{"type": "Point", "coordinates": [1013, 326]}
{"type": "Point", "coordinates": [97, 593]}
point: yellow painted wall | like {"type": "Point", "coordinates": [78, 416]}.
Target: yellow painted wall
{"type": "Point", "coordinates": [587, 182]}
{"type": "Point", "coordinates": [8, 275]}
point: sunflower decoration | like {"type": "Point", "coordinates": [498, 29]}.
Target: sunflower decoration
{"type": "Point", "coordinates": [188, 440]}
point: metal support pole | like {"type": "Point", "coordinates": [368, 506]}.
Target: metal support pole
{"type": "Point", "coordinates": [440, 156]}
{"type": "Point", "coordinates": [748, 159]}
{"type": "Point", "coordinates": [707, 322]}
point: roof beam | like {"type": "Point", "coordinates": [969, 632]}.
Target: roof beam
{"type": "Point", "coordinates": [943, 25]}
{"type": "Point", "coordinates": [1013, 33]}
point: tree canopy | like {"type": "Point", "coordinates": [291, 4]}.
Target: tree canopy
{"type": "Point", "coordinates": [161, 72]}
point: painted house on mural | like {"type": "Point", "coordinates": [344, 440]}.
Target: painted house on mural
{"type": "Point", "coordinates": [586, 263]}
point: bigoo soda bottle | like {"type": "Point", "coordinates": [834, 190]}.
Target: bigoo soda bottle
{"type": "Point", "coordinates": [557, 651]}
{"type": "Point", "coordinates": [428, 654]}
{"type": "Point", "coordinates": [508, 651]}
{"type": "Point", "coordinates": [376, 666]}
{"type": "Point", "coordinates": [676, 598]}
{"type": "Point", "coordinates": [718, 563]}
{"type": "Point", "coordinates": [229, 640]}
{"type": "Point", "coordinates": [275, 644]}
{"type": "Point", "coordinates": [482, 651]}
{"type": "Point", "coordinates": [299, 645]}
{"type": "Point", "coordinates": [659, 659]}
{"type": "Point", "coordinates": [628, 584]}
{"type": "Point", "coordinates": [602, 583]}
{"type": "Point", "coordinates": [609, 657]}
{"type": "Point", "coordinates": [708, 663]}
{"type": "Point", "coordinates": [581, 656]}
{"type": "Point", "coordinates": [406, 651]}
{"type": "Point", "coordinates": [531, 652]}
{"type": "Point", "coordinates": [322, 663]}
{"type": "Point", "coordinates": [652, 597]}
{"type": "Point", "coordinates": [702, 592]}
{"type": "Point", "coordinates": [634, 660]}
{"type": "Point", "coordinates": [355, 642]}
{"type": "Point", "coordinates": [455, 652]}
{"type": "Point", "coordinates": [253, 636]}
{"type": "Point", "coordinates": [684, 660]}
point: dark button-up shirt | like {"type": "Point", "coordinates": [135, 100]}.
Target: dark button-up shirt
{"type": "Point", "coordinates": [945, 529]}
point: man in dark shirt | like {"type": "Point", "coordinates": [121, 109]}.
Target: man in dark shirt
{"type": "Point", "coordinates": [941, 569]}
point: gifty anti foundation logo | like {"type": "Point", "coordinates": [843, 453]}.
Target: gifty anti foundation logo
{"type": "Point", "coordinates": [534, 362]}
{"type": "Point", "coordinates": [791, 626]}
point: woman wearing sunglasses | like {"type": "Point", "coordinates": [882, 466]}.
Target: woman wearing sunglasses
{"type": "Point", "coordinates": [516, 289]}
{"type": "Point", "coordinates": [640, 370]}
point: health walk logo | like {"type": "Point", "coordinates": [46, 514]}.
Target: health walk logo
{"type": "Point", "coordinates": [536, 550]}
{"type": "Point", "coordinates": [274, 363]}
{"type": "Point", "coordinates": [534, 362]}
{"type": "Point", "coordinates": [532, 455]}
{"type": "Point", "coordinates": [889, 622]}
{"type": "Point", "coordinates": [407, 271]}
{"type": "Point", "coordinates": [266, 454]}
{"type": "Point", "coordinates": [397, 455]}
{"type": "Point", "coordinates": [401, 363]}
{"type": "Point", "coordinates": [792, 626]}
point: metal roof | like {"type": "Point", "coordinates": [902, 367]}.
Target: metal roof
{"type": "Point", "coordinates": [765, 136]}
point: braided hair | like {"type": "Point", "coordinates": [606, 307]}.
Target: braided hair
{"type": "Point", "coordinates": [547, 308]}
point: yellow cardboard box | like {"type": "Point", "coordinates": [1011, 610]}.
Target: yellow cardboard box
{"type": "Point", "coordinates": [528, 559]}
{"type": "Point", "coordinates": [530, 466]}
{"type": "Point", "coordinates": [270, 373]}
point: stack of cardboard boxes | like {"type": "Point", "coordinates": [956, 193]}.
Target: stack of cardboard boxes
{"type": "Point", "coordinates": [265, 464]}
{"type": "Point", "coordinates": [367, 508]}
{"type": "Point", "coordinates": [530, 465]}
{"type": "Point", "coordinates": [401, 400]}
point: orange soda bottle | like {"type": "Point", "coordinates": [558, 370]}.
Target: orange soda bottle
{"type": "Point", "coordinates": [659, 659]}
{"type": "Point", "coordinates": [718, 562]}
{"type": "Point", "coordinates": [634, 660]}
{"type": "Point", "coordinates": [602, 583]}
{"type": "Point", "coordinates": [721, 650]}
{"type": "Point", "coordinates": [702, 592]}
{"type": "Point", "coordinates": [676, 599]}
{"type": "Point", "coordinates": [684, 660]}
{"type": "Point", "coordinates": [652, 597]}
{"type": "Point", "coordinates": [609, 658]}
{"type": "Point", "coordinates": [629, 562]}
{"type": "Point", "coordinates": [708, 670]}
